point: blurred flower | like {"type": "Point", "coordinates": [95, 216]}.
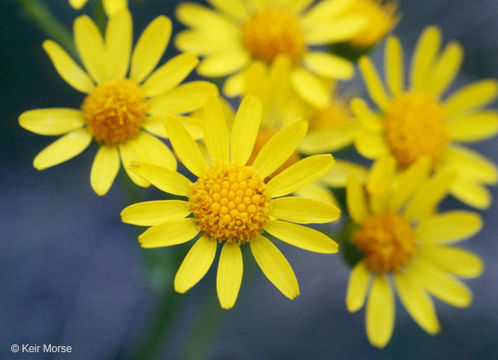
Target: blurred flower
{"type": "Point", "coordinates": [331, 126]}
{"type": "Point", "coordinates": [382, 18]}
{"type": "Point", "coordinates": [110, 6]}
{"type": "Point", "coordinates": [240, 32]}
{"type": "Point", "coordinates": [232, 204]}
{"type": "Point", "coordinates": [119, 108]}
{"type": "Point", "coordinates": [404, 240]}
{"type": "Point", "coordinates": [416, 122]}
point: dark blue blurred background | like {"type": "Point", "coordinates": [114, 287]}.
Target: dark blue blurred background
{"type": "Point", "coordinates": [72, 274]}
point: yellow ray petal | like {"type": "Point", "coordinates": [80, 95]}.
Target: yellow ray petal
{"type": "Point", "coordinates": [380, 312]}
{"type": "Point", "coordinates": [169, 233]}
{"type": "Point", "coordinates": [196, 264]}
{"type": "Point", "coordinates": [472, 165]}
{"type": "Point", "coordinates": [155, 125]}
{"type": "Point", "coordinates": [449, 227]}
{"type": "Point", "coordinates": [340, 30]}
{"type": "Point", "coordinates": [149, 213]}
{"type": "Point", "coordinates": [304, 172]}
{"type": "Point", "coordinates": [380, 176]}
{"type": "Point", "coordinates": [56, 121]}
{"type": "Point", "coordinates": [169, 75]}
{"type": "Point", "coordinates": [200, 17]}
{"type": "Point", "coordinates": [234, 8]}
{"type": "Point", "coordinates": [369, 120]}
{"type": "Point", "coordinates": [215, 131]}
{"type": "Point", "coordinates": [418, 304]}
{"type": "Point", "coordinates": [445, 69]}
{"type": "Point", "coordinates": [456, 261]}
{"type": "Point", "coordinates": [471, 192]}
{"type": "Point", "coordinates": [63, 149]}
{"type": "Point", "coordinates": [304, 211]}
{"type": "Point", "coordinates": [359, 279]}
{"type": "Point", "coordinates": [245, 129]}
{"type": "Point", "coordinates": [324, 10]}
{"type": "Point", "coordinates": [164, 179]}
{"type": "Point", "coordinates": [229, 276]}
{"type": "Point", "coordinates": [439, 284]}
{"type": "Point", "coordinates": [408, 181]}
{"type": "Point", "coordinates": [338, 175]}
{"type": "Point", "coordinates": [223, 63]}
{"type": "Point", "coordinates": [91, 48]}
{"type": "Point", "coordinates": [111, 7]}
{"type": "Point", "coordinates": [471, 97]}
{"type": "Point", "coordinates": [183, 99]}
{"type": "Point", "coordinates": [67, 68]}
{"type": "Point", "coordinates": [185, 146]}
{"type": "Point", "coordinates": [425, 52]}
{"type": "Point", "coordinates": [275, 266]}
{"type": "Point", "coordinates": [302, 237]}
{"type": "Point", "coordinates": [297, 6]}
{"type": "Point", "coordinates": [150, 48]}
{"type": "Point", "coordinates": [310, 88]}
{"type": "Point", "coordinates": [394, 66]}
{"type": "Point", "coordinates": [370, 145]}
{"type": "Point", "coordinates": [77, 4]}
{"type": "Point", "coordinates": [330, 139]}
{"type": "Point", "coordinates": [328, 65]}
{"type": "Point", "coordinates": [429, 195]}
{"type": "Point", "coordinates": [151, 150]}
{"type": "Point", "coordinates": [475, 127]}
{"type": "Point", "coordinates": [356, 200]}
{"type": "Point", "coordinates": [118, 39]}
{"type": "Point", "coordinates": [318, 191]}
{"type": "Point", "coordinates": [104, 169]}
{"type": "Point", "coordinates": [373, 83]}
{"type": "Point", "coordinates": [233, 85]}
{"type": "Point", "coordinates": [205, 43]}
{"type": "Point", "coordinates": [280, 147]}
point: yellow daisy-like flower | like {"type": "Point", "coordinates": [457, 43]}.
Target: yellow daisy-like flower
{"type": "Point", "coordinates": [232, 204]}
{"type": "Point", "coordinates": [110, 6]}
{"type": "Point", "coordinates": [415, 121]}
{"type": "Point", "coordinates": [331, 127]}
{"type": "Point", "coordinates": [382, 18]}
{"type": "Point", "coordinates": [117, 108]}
{"type": "Point", "coordinates": [240, 32]}
{"type": "Point", "coordinates": [405, 242]}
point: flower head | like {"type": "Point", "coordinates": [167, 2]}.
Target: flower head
{"type": "Point", "coordinates": [382, 18]}
{"type": "Point", "coordinates": [120, 110]}
{"type": "Point", "coordinates": [404, 242]}
{"type": "Point", "coordinates": [231, 202]}
{"type": "Point", "coordinates": [237, 33]}
{"type": "Point", "coordinates": [414, 121]}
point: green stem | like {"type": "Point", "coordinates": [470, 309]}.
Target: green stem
{"type": "Point", "coordinates": [40, 14]}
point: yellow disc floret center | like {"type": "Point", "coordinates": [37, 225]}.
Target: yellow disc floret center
{"type": "Point", "coordinates": [114, 111]}
{"type": "Point", "coordinates": [387, 241]}
{"type": "Point", "coordinates": [271, 33]}
{"type": "Point", "coordinates": [230, 203]}
{"type": "Point", "coordinates": [415, 127]}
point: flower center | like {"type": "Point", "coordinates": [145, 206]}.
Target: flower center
{"type": "Point", "coordinates": [230, 203]}
{"type": "Point", "coordinates": [387, 240]}
{"type": "Point", "coordinates": [114, 111]}
{"type": "Point", "coordinates": [273, 32]}
{"type": "Point", "coordinates": [264, 135]}
{"type": "Point", "coordinates": [415, 127]}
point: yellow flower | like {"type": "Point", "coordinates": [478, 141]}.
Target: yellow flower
{"type": "Point", "coordinates": [232, 204]}
{"type": "Point", "coordinates": [330, 125]}
{"type": "Point", "coordinates": [382, 18]}
{"type": "Point", "coordinates": [405, 241]}
{"type": "Point", "coordinates": [240, 32]}
{"type": "Point", "coordinates": [415, 121]}
{"type": "Point", "coordinates": [110, 6]}
{"type": "Point", "coordinates": [117, 108]}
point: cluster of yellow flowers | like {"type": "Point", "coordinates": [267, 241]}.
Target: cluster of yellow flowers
{"type": "Point", "coordinates": [260, 172]}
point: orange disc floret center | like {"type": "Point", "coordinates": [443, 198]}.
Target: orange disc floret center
{"type": "Point", "coordinates": [387, 241]}
{"type": "Point", "coordinates": [114, 111]}
{"type": "Point", "coordinates": [415, 127]}
{"type": "Point", "coordinates": [271, 33]}
{"type": "Point", "coordinates": [230, 203]}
